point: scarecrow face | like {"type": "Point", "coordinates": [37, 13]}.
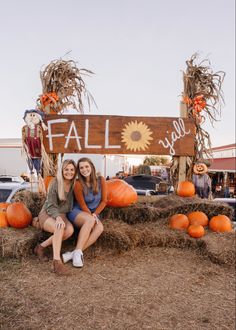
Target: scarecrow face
{"type": "Point", "coordinates": [200, 168]}
{"type": "Point", "coordinates": [32, 118]}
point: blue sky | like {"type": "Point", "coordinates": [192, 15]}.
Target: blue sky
{"type": "Point", "coordinates": [137, 49]}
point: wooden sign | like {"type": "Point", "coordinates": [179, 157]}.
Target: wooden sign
{"type": "Point", "coordinates": [95, 134]}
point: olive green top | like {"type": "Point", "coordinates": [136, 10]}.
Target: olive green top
{"type": "Point", "coordinates": [53, 205]}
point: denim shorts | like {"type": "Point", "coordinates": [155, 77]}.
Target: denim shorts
{"type": "Point", "coordinates": [73, 214]}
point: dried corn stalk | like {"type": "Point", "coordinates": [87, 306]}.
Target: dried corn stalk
{"type": "Point", "coordinates": [204, 98]}
{"type": "Point", "coordinates": [63, 87]}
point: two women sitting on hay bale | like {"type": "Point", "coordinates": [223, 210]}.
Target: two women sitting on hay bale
{"type": "Point", "coordinates": [61, 212]}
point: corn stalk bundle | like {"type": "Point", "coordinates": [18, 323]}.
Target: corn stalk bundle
{"type": "Point", "coordinates": [203, 97]}
{"type": "Point", "coordinates": [64, 87]}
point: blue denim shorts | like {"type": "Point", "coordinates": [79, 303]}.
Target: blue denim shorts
{"type": "Point", "coordinates": [73, 214]}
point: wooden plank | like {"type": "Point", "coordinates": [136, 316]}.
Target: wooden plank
{"type": "Point", "coordinates": [119, 135]}
{"type": "Point", "coordinates": [182, 159]}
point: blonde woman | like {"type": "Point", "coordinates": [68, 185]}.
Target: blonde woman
{"type": "Point", "coordinates": [52, 217]}
{"type": "Point", "coordinates": [91, 197]}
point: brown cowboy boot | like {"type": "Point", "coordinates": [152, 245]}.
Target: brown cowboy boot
{"type": "Point", "coordinates": [60, 269]}
{"type": "Point", "coordinates": [39, 252]}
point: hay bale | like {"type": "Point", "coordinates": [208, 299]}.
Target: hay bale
{"type": "Point", "coordinates": [18, 243]}
{"type": "Point", "coordinates": [33, 200]}
{"type": "Point", "coordinates": [165, 207]}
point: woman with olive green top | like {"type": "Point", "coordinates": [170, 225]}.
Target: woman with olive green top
{"type": "Point", "coordinates": [52, 217]}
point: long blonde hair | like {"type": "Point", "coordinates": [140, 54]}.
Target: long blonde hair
{"type": "Point", "coordinates": [93, 176]}
{"type": "Point", "coordinates": [60, 178]}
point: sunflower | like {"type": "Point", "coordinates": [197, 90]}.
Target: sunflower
{"type": "Point", "coordinates": [136, 136]}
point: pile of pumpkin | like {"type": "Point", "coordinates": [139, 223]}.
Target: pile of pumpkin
{"type": "Point", "coordinates": [15, 215]}
{"type": "Point", "coordinates": [196, 222]}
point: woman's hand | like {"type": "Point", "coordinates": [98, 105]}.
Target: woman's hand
{"type": "Point", "coordinates": [95, 217]}
{"type": "Point", "coordinates": [59, 224]}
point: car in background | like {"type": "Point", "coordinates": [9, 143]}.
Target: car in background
{"type": "Point", "coordinates": [231, 202]}
{"type": "Point", "coordinates": [9, 186]}
{"type": "Point", "coordinates": [149, 185]}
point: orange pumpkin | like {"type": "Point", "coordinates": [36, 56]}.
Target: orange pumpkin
{"type": "Point", "coordinates": [196, 231]}
{"type": "Point", "coordinates": [179, 221]}
{"type": "Point", "coordinates": [47, 180]}
{"type": "Point", "coordinates": [185, 189]}
{"type": "Point", "coordinates": [3, 206]}
{"type": "Point", "coordinates": [18, 215]}
{"type": "Point", "coordinates": [220, 223]}
{"type": "Point", "coordinates": [3, 220]}
{"type": "Point", "coordinates": [120, 193]}
{"type": "Point", "coordinates": [198, 218]}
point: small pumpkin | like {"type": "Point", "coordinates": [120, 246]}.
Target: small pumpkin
{"type": "Point", "coordinates": [18, 215]}
{"type": "Point", "coordinates": [179, 221]}
{"type": "Point", "coordinates": [196, 231]}
{"type": "Point", "coordinates": [185, 189]}
{"type": "Point", "coordinates": [3, 220]}
{"type": "Point", "coordinates": [120, 193]}
{"type": "Point", "coordinates": [220, 223]}
{"type": "Point", "coordinates": [3, 206]}
{"type": "Point", "coordinates": [198, 218]}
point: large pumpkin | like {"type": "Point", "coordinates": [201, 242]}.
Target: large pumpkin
{"type": "Point", "coordinates": [179, 221]}
{"type": "Point", "coordinates": [198, 218]}
{"type": "Point", "coordinates": [3, 220]}
{"type": "Point", "coordinates": [120, 193]}
{"type": "Point", "coordinates": [220, 223]}
{"type": "Point", "coordinates": [185, 189]}
{"type": "Point", "coordinates": [18, 215]}
{"type": "Point", "coordinates": [196, 231]}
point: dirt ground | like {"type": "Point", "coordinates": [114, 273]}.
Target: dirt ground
{"type": "Point", "coordinates": [144, 288]}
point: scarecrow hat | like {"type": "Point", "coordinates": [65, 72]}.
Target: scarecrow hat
{"type": "Point", "coordinates": [33, 111]}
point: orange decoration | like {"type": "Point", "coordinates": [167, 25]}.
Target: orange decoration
{"type": "Point", "coordinates": [185, 189]}
{"type": "Point", "coordinates": [18, 215]}
{"type": "Point", "coordinates": [179, 221]}
{"type": "Point", "coordinates": [220, 223]}
{"type": "Point", "coordinates": [3, 220]}
{"type": "Point", "coordinates": [198, 218]}
{"type": "Point", "coordinates": [47, 180]}
{"type": "Point", "coordinates": [196, 231]}
{"type": "Point", "coordinates": [3, 206]}
{"type": "Point", "coordinates": [120, 193]}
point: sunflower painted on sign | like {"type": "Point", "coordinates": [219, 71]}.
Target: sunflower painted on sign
{"type": "Point", "coordinates": [136, 136]}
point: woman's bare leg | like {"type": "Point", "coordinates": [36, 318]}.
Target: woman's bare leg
{"type": "Point", "coordinates": [85, 222]}
{"type": "Point", "coordinates": [95, 233]}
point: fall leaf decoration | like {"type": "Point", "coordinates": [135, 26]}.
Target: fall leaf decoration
{"type": "Point", "coordinates": [203, 97]}
{"type": "Point", "coordinates": [63, 87]}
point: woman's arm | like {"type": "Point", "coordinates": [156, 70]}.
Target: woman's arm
{"type": "Point", "coordinates": [103, 202]}
{"type": "Point", "coordinates": [79, 196]}
{"type": "Point", "coordinates": [52, 200]}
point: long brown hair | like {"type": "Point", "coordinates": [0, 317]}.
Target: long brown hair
{"type": "Point", "coordinates": [93, 176]}
{"type": "Point", "coordinates": [60, 178]}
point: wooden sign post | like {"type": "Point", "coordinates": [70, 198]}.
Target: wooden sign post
{"type": "Point", "coordinates": [182, 159]}
{"type": "Point", "coordinates": [119, 135]}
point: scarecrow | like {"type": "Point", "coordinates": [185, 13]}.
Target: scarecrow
{"type": "Point", "coordinates": [32, 139]}
{"type": "Point", "coordinates": [201, 179]}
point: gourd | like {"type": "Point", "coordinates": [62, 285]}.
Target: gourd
{"type": "Point", "coordinates": [185, 189]}
{"type": "Point", "coordinates": [198, 218]}
{"type": "Point", "coordinates": [196, 231]}
{"type": "Point", "coordinates": [220, 223]}
{"type": "Point", "coordinates": [120, 193]}
{"type": "Point", "coordinates": [18, 215]}
{"type": "Point", "coordinates": [179, 221]}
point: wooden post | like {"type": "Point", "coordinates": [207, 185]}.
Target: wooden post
{"type": "Point", "coordinates": [182, 159]}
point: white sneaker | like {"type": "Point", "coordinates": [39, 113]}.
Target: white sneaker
{"type": "Point", "coordinates": [78, 258]}
{"type": "Point", "coordinates": [67, 256]}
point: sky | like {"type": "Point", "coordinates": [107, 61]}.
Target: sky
{"type": "Point", "coordinates": [136, 48]}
